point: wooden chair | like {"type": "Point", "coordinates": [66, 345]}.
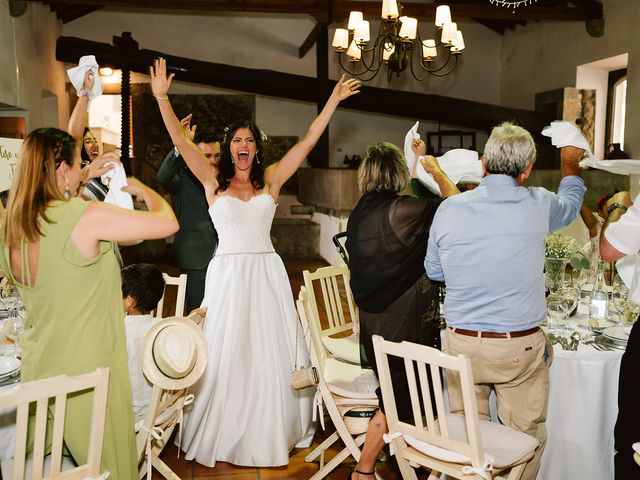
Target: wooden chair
{"type": "Point", "coordinates": [50, 398]}
{"type": "Point", "coordinates": [163, 415]}
{"type": "Point", "coordinates": [460, 446]}
{"type": "Point", "coordinates": [180, 282]}
{"type": "Point", "coordinates": [340, 338]}
{"type": "Point", "coordinates": [342, 388]}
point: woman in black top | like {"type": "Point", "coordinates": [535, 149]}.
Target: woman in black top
{"type": "Point", "coordinates": [387, 242]}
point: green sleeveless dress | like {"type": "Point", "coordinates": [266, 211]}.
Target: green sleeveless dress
{"type": "Point", "coordinates": [75, 324]}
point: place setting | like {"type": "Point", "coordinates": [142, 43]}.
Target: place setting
{"type": "Point", "coordinates": [9, 370]}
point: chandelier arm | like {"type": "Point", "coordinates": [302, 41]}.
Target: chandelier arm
{"type": "Point", "coordinates": [354, 73]}
{"type": "Point", "coordinates": [438, 73]}
{"type": "Point", "coordinates": [441, 67]}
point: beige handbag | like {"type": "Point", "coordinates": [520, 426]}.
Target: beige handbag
{"type": "Point", "coordinates": [302, 377]}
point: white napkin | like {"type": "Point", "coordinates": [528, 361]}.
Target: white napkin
{"type": "Point", "coordinates": [459, 164]}
{"type": "Point", "coordinates": [76, 75]}
{"type": "Point", "coordinates": [564, 133]}
{"type": "Point", "coordinates": [116, 178]}
{"type": "Point", "coordinates": [412, 135]}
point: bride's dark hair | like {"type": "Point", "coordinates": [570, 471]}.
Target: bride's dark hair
{"type": "Point", "coordinates": [226, 170]}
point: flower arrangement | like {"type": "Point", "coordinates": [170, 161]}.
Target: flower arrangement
{"type": "Point", "coordinates": [564, 246]}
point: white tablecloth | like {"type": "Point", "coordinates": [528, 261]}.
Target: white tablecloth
{"type": "Point", "coordinates": [583, 405]}
{"type": "Point", "coordinates": [7, 429]}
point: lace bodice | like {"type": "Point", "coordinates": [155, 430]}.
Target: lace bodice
{"type": "Point", "coordinates": [243, 227]}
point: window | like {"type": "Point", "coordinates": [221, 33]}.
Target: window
{"type": "Point", "coordinates": [617, 102]}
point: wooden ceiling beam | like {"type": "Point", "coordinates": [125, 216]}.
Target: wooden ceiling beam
{"type": "Point", "coordinates": [311, 39]}
{"type": "Point", "coordinates": [327, 11]}
{"type": "Point", "coordinates": [447, 110]}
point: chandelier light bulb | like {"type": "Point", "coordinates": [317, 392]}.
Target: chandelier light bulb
{"type": "Point", "coordinates": [458, 43]}
{"type": "Point", "coordinates": [449, 33]}
{"type": "Point", "coordinates": [387, 51]}
{"type": "Point", "coordinates": [341, 39]}
{"type": "Point", "coordinates": [389, 9]}
{"type": "Point", "coordinates": [443, 15]}
{"type": "Point", "coordinates": [354, 19]}
{"type": "Point", "coordinates": [354, 53]}
{"type": "Point", "coordinates": [361, 35]}
{"type": "Point", "coordinates": [429, 50]}
{"type": "Point", "coordinates": [409, 28]}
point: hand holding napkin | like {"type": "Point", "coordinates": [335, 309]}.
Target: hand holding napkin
{"type": "Point", "coordinates": [115, 179]}
{"type": "Point", "coordinates": [76, 76]}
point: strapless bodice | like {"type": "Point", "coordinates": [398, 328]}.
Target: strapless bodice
{"type": "Point", "coordinates": [243, 227]}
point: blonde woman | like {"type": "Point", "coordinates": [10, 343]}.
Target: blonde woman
{"type": "Point", "coordinates": [60, 251]}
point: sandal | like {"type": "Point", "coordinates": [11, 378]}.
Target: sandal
{"type": "Point", "coordinates": [355, 470]}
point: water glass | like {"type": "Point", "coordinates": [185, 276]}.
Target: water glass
{"type": "Point", "coordinates": [557, 306]}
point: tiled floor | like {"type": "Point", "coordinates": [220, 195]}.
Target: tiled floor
{"type": "Point", "coordinates": [297, 469]}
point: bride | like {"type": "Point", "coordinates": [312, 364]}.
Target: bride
{"type": "Point", "coordinates": [245, 411]}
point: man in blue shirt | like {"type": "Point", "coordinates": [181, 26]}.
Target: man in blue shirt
{"type": "Point", "coordinates": [488, 245]}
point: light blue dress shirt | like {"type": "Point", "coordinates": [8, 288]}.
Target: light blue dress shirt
{"type": "Point", "coordinates": [488, 245]}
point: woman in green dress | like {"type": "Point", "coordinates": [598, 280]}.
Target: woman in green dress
{"type": "Point", "coordinates": [60, 251]}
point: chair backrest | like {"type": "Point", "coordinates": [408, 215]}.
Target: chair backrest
{"type": "Point", "coordinates": [50, 398]}
{"type": "Point", "coordinates": [311, 331]}
{"type": "Point", "coordinates": [332, 284]}
{"type": "Point", "coordinates": [428, 425]}
{"type": "Point", "coordinates": [181, 282]}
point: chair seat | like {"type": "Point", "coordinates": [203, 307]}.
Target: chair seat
{"type": "Point", "coordinates": [347, 380]}
{"type": "Point", "coordinates": [346, 349]}
{"type": "Point", "coordinates": [503, 445]}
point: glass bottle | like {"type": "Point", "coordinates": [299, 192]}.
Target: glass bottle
{"type": "Point", "coordinates": [599, 304]}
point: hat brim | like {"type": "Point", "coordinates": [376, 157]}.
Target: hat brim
{"type": "Point", "coordinates": [151, 370]}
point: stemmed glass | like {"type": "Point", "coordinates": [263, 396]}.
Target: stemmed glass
{"type": "Point", "coordinates": [580, 277]}
{"type": "Point", "coordinates": [10, 298]}
{"type": "Point", "coordinates": [619, 294]}
{"type": "Point", "coordinates": [13, 328]}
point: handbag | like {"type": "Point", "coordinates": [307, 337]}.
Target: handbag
{"type": "Point", "coordinates": [302, 377]}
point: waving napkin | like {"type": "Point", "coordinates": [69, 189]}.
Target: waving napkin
{"type": "Point", "coordinates": [459, 164]}
{"type": "Point", "coordinates": [116, 178]}
{"type": "Point", "coordinates": [565, 133]}
{"type": "Point", "coordinates": [76, 75]}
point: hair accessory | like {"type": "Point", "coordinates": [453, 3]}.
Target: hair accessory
{"type": "Point", "coordinates": [224, 137]}
{"type": "Point", "coordinates": [263, 136]}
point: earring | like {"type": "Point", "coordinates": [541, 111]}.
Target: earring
{"type": "Point", "coordinates": [257, 159]}
{"type": "Point", "coordinates": [67, 192]}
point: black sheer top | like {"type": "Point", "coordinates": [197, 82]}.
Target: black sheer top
{"type": "Point", "coordinates": [387, 242]}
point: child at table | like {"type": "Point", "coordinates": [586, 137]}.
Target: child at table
{"type": "Point", "coordinates": [142, 289]}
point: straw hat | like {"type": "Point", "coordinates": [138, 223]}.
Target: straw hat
{"type": "Point", "coordinates": [174, 353]}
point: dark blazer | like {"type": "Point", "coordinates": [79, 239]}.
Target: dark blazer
{"type": "Point", "coordinates": [197, 239]}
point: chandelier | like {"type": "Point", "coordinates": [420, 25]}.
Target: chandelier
{"type": "Point", "coordinates": [398, 45]}
{"type": "Point", "coordinates": [512, 3]}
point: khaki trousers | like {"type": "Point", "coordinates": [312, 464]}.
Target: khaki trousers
{"type": "Point", "coordinates": [518, 370]}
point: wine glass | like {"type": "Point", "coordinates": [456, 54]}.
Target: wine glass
{"type": "Point", "coordinates": [13, 328]}
{"type": "Point", "coordinates": [10, 298]}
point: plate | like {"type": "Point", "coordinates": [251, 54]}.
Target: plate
{"type": "Point", "coordinates": [8, 366]}
{"type": "Point", "coordinates": [619, 334]}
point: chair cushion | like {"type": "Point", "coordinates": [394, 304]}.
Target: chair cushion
{"type": "Point", "coordinates": [503, 445]}
{"type": "Point", "coordinates": [349, 380]}
{"type": "Point", "coordinates": [346, 349]}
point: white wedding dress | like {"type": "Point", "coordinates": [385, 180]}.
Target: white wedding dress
{"type": "Point", "coordinates": [245, 411]}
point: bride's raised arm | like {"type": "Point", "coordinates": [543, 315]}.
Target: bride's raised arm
{"type": "Point", "coordinates": [192, 155]}
{"type": "Point", "coordinates": [281, 171]}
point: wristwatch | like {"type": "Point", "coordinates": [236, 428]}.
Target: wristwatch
{"type": "Point", "coordinates": [613, 206]}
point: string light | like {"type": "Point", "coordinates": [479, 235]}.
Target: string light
{"type": "Point", "coordinates": [512, 3]}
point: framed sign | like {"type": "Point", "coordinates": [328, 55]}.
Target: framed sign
{"type": "Point", "coordinates": [9, 148]}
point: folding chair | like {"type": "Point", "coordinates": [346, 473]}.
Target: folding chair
{"type": "Point", "coordinates": [342, 388]}
{"type": "Point", "coordinates": [181, 282]}
{"type": "Point", "coordinates": [50, 398]}
{"type": "Point", "coordinates": [332, 284]}
{"type": "Point", "coordinates": [164, 413]}
{"type": "Point", "coordinates": [461, 446]}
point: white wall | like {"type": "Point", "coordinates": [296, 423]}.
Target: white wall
{"type": "Point", "coordinates": [545, 55]}
{"type": "Point", "coordinates": [30, 75]}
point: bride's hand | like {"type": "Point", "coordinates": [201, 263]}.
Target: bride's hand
{"type": "Point", "coordinates": [160, 82]}
{"type": "Point", "coordinates": [345, 88]}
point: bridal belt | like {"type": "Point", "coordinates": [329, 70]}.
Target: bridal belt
{"type": "Point", "coordinates": [244, 253]}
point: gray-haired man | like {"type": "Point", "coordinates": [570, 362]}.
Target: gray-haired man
{"type": "Point", "coordinates": [488, 245]}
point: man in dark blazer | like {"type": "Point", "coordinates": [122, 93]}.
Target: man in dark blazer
{"type": "Point", "coordinates": [196, 241]}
